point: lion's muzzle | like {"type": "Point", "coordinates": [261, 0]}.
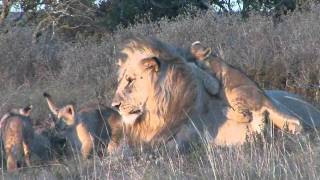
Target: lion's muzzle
{"type": "Point", "coordinates": [116, 102]}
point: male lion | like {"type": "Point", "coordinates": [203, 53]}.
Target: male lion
{"type": "Point", "coordinates": [89, 127]}
{"type": "Point", "coordinates": [19, 140]}
{"type": "Point", "coordinates": [162, 98]}
{"type": "Point", "coordinates": [245, 98]}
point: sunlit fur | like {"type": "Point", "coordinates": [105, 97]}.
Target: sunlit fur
{"type": "Point", "coordinates": [164, 96]}
{"type": "Point", "coordinates": [245, 97]}
{"type": "Point", "coordinates": [170, 99]}
{"type": "Point", "coordinates": [89, 128]}
{"type": "Point", "coordinates": [17, 135]}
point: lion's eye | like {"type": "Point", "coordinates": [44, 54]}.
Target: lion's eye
{"type": "Point", "coordinates": [130, 80]}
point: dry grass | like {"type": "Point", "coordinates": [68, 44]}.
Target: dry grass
{"type": "Point", "coordinates": [283, 57]}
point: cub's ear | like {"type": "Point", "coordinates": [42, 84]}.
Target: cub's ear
{"type": "Point", "coordinates": [26, 111]}
{"type": "Point", "coordinates": [199, 51]}
{"type": "Point", "coordinates": [52, 106]}
{"type": "Point", "coordinates": [151, 63]}
{"type": "Point", "coordinates": [69, 109]}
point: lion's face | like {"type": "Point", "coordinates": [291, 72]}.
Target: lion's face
{"type": "Point", "coordinates": [136, 77]}
{"type": "Point", "coordinates": [155, 83]}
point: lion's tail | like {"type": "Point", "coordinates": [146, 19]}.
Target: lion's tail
{"type": "Point", "coordinates": [282, 119]}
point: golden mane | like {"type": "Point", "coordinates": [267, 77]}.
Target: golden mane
{"type": "Point", "coordinates": [170, 105]}
{"type": "Point", "coordinates": [162, 97]}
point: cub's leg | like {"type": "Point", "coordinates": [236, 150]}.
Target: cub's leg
{"type": "Point", "coordinates": [117, 132]}
{"type": "Point", "coordinates": [241, 117]}
{"type": "Point", "coordinates": [252, 99]}
{"type": "Point", "coordinates": [11, 161]}
{"type": "Point", "coordinates": [210, 83]}
{"type": "Point", "coordinates": [86, 148]}
{"type": "Point", "coordinates": [26, 151]}
{"type": "Point", "coordinates": [114, 141]}
{"type": "Point", "coordinates": [243, 101]}
{"type": "Point", "coordinates": [85, 139]}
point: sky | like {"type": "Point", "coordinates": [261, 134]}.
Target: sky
{"type": "Point", "coordinates": [17, 9]}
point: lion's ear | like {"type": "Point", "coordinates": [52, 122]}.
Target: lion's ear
{"type": "Point", "coordinates": [199, 51]}
{"type": "Point", "coordinates": [152, 63]}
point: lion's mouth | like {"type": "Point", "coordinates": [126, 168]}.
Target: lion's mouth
{"type": "Point", "coordinates": [135, 111]}
{"type": "Point", "coordinates": [130, 113]}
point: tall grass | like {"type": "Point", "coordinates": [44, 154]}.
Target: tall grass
{"type": "Point", "coordinates": [283, 57]}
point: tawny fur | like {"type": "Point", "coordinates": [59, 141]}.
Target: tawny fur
{"type": "Point", "coordinates": [89, 128]}
{"type": "Point", "coordinates": [161, 98]}
{"type": "Point", "coordinates": [245, 98]}
{"type": "Point", "coordinates": [17, 134]}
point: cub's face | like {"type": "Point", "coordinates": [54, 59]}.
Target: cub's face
{"type": "Point", "coordinates": [66, 117]}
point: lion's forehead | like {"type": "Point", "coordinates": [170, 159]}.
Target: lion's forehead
{"type": "Point", "coordinates": [137, 54]}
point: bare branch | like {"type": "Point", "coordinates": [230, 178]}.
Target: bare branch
{"type": "Point", "coordinates": [6, 4]}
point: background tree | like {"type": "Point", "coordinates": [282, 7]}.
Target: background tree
{"type": "Point", "coordinates": [73, 16]}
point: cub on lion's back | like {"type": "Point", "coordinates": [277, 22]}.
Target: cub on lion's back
{"type": "Point", "coordinates": [246, 99]}
{"type": "Point", "coordinates": [90, 127]}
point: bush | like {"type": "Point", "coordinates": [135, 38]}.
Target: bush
{"type": "Point", "coordinates": [283, 57]}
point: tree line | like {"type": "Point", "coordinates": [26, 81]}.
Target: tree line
{"type": "Point", "coordinates": [107, 14]}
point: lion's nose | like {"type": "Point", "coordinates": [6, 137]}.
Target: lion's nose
{"type": "Point", "coordinates": [116, 103]}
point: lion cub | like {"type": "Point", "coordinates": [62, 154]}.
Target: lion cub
{"type": "Point", "coordinates": [89, 127]}
{"type": "Point", "coordinates": [17, 134]}
{"type": "Point", "coordinates": [245, 98]}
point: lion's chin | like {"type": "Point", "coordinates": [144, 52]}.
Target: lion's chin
{"type": "Point", "coordinates": [130, 119]}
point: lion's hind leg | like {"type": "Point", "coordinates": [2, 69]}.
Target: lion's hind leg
{"type": "Point", "coordinates": [282, 120]}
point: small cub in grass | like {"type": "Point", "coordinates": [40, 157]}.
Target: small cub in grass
{"type": "Point", "coordinates": [89, 128]}
{"type": "Point", "coordinates": [17, 135]}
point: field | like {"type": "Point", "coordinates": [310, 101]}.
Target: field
{"type": "Point", "coordinates": [285, 56]}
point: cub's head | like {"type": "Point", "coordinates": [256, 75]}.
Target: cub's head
{"type": "Point", "coordinates": [199, 51]}
{"type": "Point", "coordinates": [152, 79]}
{"type": "Point", "coordinates": [66, 115]}
{"type": "Point", "coordinates": [25, 111]}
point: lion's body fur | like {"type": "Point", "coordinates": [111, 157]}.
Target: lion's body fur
{"type": "Point", "coordinates": [164, 99]}
{"type": "Point", "coordinates": [176, 97]}
{"type": "Point", "coordinates": [293, 104]}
